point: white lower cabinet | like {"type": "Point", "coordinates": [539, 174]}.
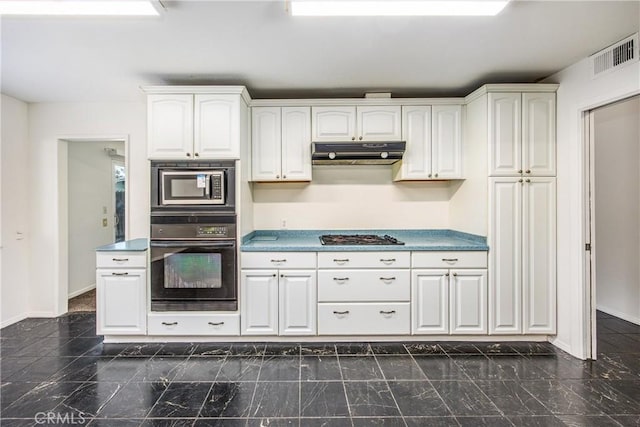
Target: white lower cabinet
{"type": "Point", "coordinates": [363, 318]}
{"type": "Point", "coordinates": [121, 293]}
{"type": "Point", "coordinates": [278, 301]}
{"type": "Point", "coordinates": [194, 324]}
{"type": "Point", "coordinates": [449, 301]}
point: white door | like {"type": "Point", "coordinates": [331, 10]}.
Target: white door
{"type": "Point", "coordinates": [416, 132]}
{"type": "Point", "coordinates": [379, 123]}
{"type": "Point", "coordinates": [298, 302]}
{"type": "Point", "coordinates": [505, 255]}
{"type": "Point", "coordinates": [447, 141]}
{"type": "Point", "coordinates": [539, 134]}
{"type": "Point", "coordinates": [296, 143]}
{"type": "Point", "coordinates": [468, 298]}
{"type": "Point", "coordinates": [170, 126]}
{"type": "Point", "coordinates": [259, 307]}
{"type": "Point", "coordinates": [505, 135]}
{"type": "Point", "coordinates": [430, 302]}
{"type": "Point", "coordinates": [121, 302]}
{"type": "Point", "coordinates": [217, 126]}
{"type": "Point", "coordinates": [265, 143]}
{"type": "Point", "coordinates": [539, 265]}
{"type": "Point", "coordinates": [333, 124]}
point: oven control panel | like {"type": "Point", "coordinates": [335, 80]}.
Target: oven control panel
{"type": "Point", "coordinates": [212, 231]}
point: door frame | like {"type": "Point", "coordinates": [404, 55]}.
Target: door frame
{"type": "Point", "coordinates": [61, 255]}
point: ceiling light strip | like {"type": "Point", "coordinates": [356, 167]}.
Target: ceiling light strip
{"type": "Point", "coordinates": [78, 7]}
{"type": "Point", "coordinates": [397, 8]}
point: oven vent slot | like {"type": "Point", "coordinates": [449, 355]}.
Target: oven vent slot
{"type": "Point", "coordinates": [615, 56]}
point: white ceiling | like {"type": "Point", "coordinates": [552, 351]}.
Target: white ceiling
{"type": "Point", "coordinates": [257, 44]}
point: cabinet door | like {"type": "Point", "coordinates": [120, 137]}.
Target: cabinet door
{"type": "Point", "coordinates": [217, 126]}
{"type": "Point", "coordinates": [170, 126]}
{"type": "Point", "coordinates": [296, 143]}
{"type": "Point", "coordinates": [430, 302]}
{"type": "Point", "coordinates": [468, 298]}
{"type": "Point", "coordinates": [333, 124]}
{"type": "Point", "coordinates": [121, 301]}
{"type": "Point", "coordinates": [447, 141]}
{"type": "Point", "coordinates": [259, 308]}
{"type": "Point", "coordinates": [539, 255]}
{"type": "Point", "coordinates": [298, 302]}
{"type": "Point", "coordinates": [380, 123]}
{"type": "Point", "coordinates": [416, 132]}
{"type": "Point", "coordinates": [505, 255]}
{"type": "Point", "coordinates": [265, 142]}
{"type": "Point", "coordinates": [539, 134]}
{"type": "Point", "coordinates": [505, 135]}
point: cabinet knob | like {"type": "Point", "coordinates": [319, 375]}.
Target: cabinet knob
{"type": "Point", "coordinates": [446, 275]}
{"type": "Point", "coordinates": [527, 180]}
{"type": "Point", "coordinates": [436, 175]}
{"type": "Point", "coordinates": [520, 180]}
{"type": "Point", "coordinates": [277, 176]}
{"type": "Point", "coordinates": [360, 138]}
{"type": "Point", "coordinates": [188, 154]}
{"type": "Point", "coordinates": [519, 170]}
{"type": "Point", "coordinates": [353, 138]}
{"type": "Point", "coordinates": [284, 176]}
{"type": "Point", "coordinates": [527, 171]}
{"type": "Point", "coordinates": [455, 274]}
{"type": "Point", "coordinates": [196, 154]}
{"type": "Point", "coordinates": [429, 175]}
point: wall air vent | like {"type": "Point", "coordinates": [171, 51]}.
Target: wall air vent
{"type": "Point", "coordinates": [615, 56]}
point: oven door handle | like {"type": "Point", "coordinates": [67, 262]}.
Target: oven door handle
{"type": "Point", "coordinates": [192, 244]}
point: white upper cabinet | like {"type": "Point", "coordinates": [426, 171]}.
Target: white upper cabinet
{"type": "Point", "coordinates": [378, 123]}
{"type": "Point", "coordinates": [362, 123]}
{"type": "Point", "coordinates": [281, 141]}
{"type": "Point", "coordinates": [522, 134]}
{"type": "Point", "coordinates": [433, 135]}
{"type": "Point", "coordinates": [446, 146]}
{"type": "Point", "coordinates": [216, 126]}
{"type": "Point", "coordinates": [170, 126]}
{"type": "Point", "coordinates": [194, 126]}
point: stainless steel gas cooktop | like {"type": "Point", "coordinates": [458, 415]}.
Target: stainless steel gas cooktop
{"type": "Point", "coordinates": [358, 239]}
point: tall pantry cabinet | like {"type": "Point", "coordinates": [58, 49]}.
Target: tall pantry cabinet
{"type": "Point", "coordinates": [521, 148]}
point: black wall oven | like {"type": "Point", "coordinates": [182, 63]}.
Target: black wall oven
{"type": "Point", "coordinates": [193, 262]}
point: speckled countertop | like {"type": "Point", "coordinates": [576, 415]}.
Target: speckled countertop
{"type": "Point", "coordinates": [309, 240]}
{"type": "Point", "coordinates": [135, 245]}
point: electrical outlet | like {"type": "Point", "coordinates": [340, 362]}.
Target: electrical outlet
{"type": "Point", "coordinates": [104, 222]}
{"type": "Point", "coordinates": [283, 223]}
{"type": "Point", "coordinates": [104, 210]}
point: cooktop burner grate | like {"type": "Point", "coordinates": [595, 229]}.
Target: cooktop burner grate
{"type": "Point", "coordinates": [358, 239]}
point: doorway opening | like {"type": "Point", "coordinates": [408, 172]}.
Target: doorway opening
{"type": "Point", "coordinates": [613, 227]}
{"type": "Point", "coordinates": [96, 188]}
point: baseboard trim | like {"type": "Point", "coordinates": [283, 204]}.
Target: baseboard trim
{"type": "Point", "coordinates": [82, 291]}
{"type": "Point", "coordinates": [621, 315]}
{"type": "Point", "coordinates": [563, 346]}
{"type": "Point", "coordinates": [12, 320]}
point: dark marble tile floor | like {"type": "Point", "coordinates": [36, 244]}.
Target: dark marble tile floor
{"type": "Point", "coordinates": [59, 368]}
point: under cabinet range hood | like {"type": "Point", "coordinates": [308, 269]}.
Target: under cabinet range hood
{"type": "Point", "coordinates": [357, 153]}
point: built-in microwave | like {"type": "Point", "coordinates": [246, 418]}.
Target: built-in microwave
{"type": "Point", "coordinates": [193, 186]}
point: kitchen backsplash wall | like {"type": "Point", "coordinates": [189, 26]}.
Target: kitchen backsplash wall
{"type": "Point", "coordinates": [352, 197]}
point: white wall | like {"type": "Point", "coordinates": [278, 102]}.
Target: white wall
{"type": "Point", "coordinates": [352, 197]}
{"type": "Point", "coordinates": [90, 192]}
{"type": "Point", "coordinates": [617, 208]}
{"type": "Point", "coordinates": [48, 123]}
{"type": "Point", "coordinates": [578, 93]}
{"type": "Point", "coordinates": [14, 165]}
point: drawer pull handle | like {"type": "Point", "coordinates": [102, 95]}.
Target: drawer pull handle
{"type": "Point", "coordinates": [216, 323]}
{"type": "Point", "coordinates": [341, 261]}
{"type": "Point", "coordinates": [120, 274]}
{"type": "Point", "coordinates": [340, 279]}
{"type": "Point", "coordinates": [387, 261]}
{"type": "Point", "coordinates": [450, 259]}
{"type": "Point", "coordinates": [278, 260]}
{"type": "Point", "coordinates": [387, 279]}
{"type": "Point", "coordinates": [170, 323]}
{"type": "Point", "coordinates": [387, 313]}
{"type": "Point", "coordinates": [120, 259]}
{"type": "Point", "coordinates": [340, 312]}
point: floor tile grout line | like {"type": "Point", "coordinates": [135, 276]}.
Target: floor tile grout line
{"type": "Point", "coordinates": [344, 386]}
{"type": "Point", "coordinates": [215, 381]}
{"type": "Point", "coordinates": [384, 378]}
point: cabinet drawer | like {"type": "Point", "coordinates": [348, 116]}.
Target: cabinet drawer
{"type": "Point", "coordinates": [108, 259]}
{"type": "Point", "coordinates": [363, 319]}
{"type": "Point", "coordinates": [451, 259]}
{"type": "Point", "coordinates": [390, 259]}
{"type": "Point", "coordinates": [278, 260]}
{"type": "Point", "coordinates": [193, 324]}
{"type": "Point", "coordinates": [364, 285]}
